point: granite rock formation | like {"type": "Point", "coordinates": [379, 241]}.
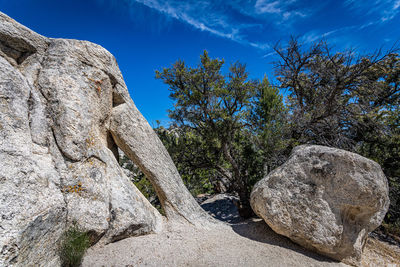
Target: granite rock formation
{"type": "Point", "coordinates": [324, 199]}
{"type": "Point", "coordinates": [64, 111]}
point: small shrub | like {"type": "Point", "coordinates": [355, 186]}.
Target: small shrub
{"type": "Point", "coordinates": [74, 244]}
{"type": "Point", "coordinates": [392, 228]}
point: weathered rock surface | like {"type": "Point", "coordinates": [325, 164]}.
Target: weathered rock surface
{"type": "Point", "coordinates": [64, 109]}
{"type": "Point", "coordinates": [324, 199]}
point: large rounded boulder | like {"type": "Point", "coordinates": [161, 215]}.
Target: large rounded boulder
{"type": "Point", "coordinates": [324, 199]}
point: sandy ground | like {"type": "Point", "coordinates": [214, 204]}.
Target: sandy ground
{"type": "Point", "coordinates": [234, 243]}
{"type": "Point", "coordinates": [249, 243]}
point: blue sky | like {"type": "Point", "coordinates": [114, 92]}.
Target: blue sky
{"type": "Point", "coordinates": [145, 35]}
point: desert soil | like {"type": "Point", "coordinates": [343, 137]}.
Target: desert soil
{"type": "Point", "coordinates": [237, 243]}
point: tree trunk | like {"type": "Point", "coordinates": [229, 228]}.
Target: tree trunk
{"type": "Point", "coordinates": [240, 185]}
{"type": "Point", "coordinates": [245, 210]}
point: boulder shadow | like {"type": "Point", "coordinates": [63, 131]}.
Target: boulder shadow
{"type": "Point", "coordinates": [222, 207]}
{"type": "Point", "coordinates": [256, 229]}
{"type": "Point", "coordinates": [223, 210]}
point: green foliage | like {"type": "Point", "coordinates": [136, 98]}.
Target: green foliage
{"type": "Point", "coordinates": [229, 131]}
{"type": "Point", "coordinates": [392, 228]}
{"type": "Point", "coordinates": [213, 112]}
{"type": "Point", "coordinates": [332, 94]}
{"type": "Point", "coordinates": [141, 182]}
{"type": "Point", "coordinates": [348, 101]}
{"type": "Point", "coordinates": [74, 244]}
{"type": "Point", "coordinates": [269, 120]}
{"type": "Point", "coordinates": [186, 150]}
{"type": "Point", "coordinates": [382, 144]}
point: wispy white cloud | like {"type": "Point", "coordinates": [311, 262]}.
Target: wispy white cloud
{"type": "Point", "coordinates": [283, 10]}
{"type": "Point", "coordinates": [272, 53]}
{"type": "Point", "coordinates": [308, 38]}
{"type": "Point", "coordinates": [259, 23]}
{"type": "Point", "coordinates": [392, 12]}
{"type": "Point", "coordinates": [200, 15]}
{"type": "Point", "coordinates": [265, 6]}
{"type": "Point", "coordinates": [314, 35]}
{"type": "Point", "coordinates": [385, 9]}
{"type": "Point", "coordinates": [203, 15]}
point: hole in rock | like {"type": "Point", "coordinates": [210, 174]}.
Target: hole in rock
{"type": "Point", "coordinates": [113, 80]}
{"type": "Point", "coordinates": [117, 99]}
{"type": "Point", "coordinates": [131, 231]}
{"type": "Point", "coordinates": [138, 178]}
{"type": "Point", "coordinates": [16, 48]}
{"type": "Point", "coordinates": [112, 146]}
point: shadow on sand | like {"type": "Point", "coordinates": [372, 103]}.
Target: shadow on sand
{"type": "Point", "coordinates": [258, 230]}
{"type": "Point", "coordinates": [223, 209]}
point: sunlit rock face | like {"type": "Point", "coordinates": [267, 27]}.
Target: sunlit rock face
{"type": "Point", "coordinates": [324, 199]}
{"type": "Point", "coordinates": [64, 110]}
